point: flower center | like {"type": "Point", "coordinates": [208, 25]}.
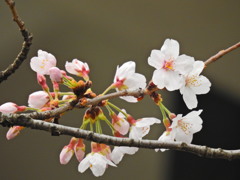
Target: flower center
{"type": "Point", "coordinates": [168, 65]}
{"type": "Point", "coordinates": [192, 81]}
{"type": "Point", "coordinates": [184, 126]}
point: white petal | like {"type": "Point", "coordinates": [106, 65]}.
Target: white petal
{"type": "Point", "coordinates": [182, 137]}
{"type": "Point", "coordinates": [170, 48]}
{"type": "Point", "coordinates": [147, 121]}
{"type": "Point", "coordinates": [156, 59]}
{"type": "Point", "coordinates": [116, 155]}
{"type": "Point", "coordinates": [197, 67]}
{"type": "Point", "coordinates": [135, 81]}
{"type": "Point", "coordinates": [189, 97]}
{"type": "Point", "coordinates": [84, 164]}
{"type": "Point", "coordinates": [127, 69]}
{"type": "Point", "coordinates": [130, 99]}
{"type": "Point", "coordinates": [204, 85]}
{"type": "Point", "coordinates": [173, 81]}
{"type": "Point", "coordinates": [184, 64]}
{"type": "Point", "coordinates": [136, 133]}
{"type": "Point", "coordinates": [159, 77]}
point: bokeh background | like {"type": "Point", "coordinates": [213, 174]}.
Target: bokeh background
{"type": "Point", "coordinates": [108, 33]}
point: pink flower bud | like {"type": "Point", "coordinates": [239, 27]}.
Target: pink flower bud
{"type": "Point", "coordinates": [79, 150]}
{"type": "Point", "coordinates": [8, 107]}
{"type": "Point", "coordinates": [42, 81]}
{"type": "Point", "coordinates": [43, 62]}
{"type": "Point", "coordinates": [55, 74]}
{"type": "Point", "coordinates": [66, 154]}
{"type": "Point", "coordinates": [78, 68]}
{"type": "Point", "coordinates": [13, 132]}
{"type": "Point", "coordinates": [38, 99]}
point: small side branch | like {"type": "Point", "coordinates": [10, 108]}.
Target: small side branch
{"type": "Point", "coordinates": [203, 151]}
{"type": "Point", "coordinates": [25, 47]}
{"type": "Point", "coordinates": [221, 53]}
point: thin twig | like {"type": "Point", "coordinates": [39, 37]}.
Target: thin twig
{"type": "Point", "coordinates": [25, 47]}
{"type": "Point", "coordinates": [221, 53]}
{"type": "Point", "coordinates": [203, 151]}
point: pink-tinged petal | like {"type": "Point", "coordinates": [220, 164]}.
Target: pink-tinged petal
{"type": "Point", "coordinates": [156, 59]}
{"type": "Point", "coordinates": [184, 64]}
{"type": "Point", "coordinates": [79, 149]}
{"type": "Point", "coordinates": [8, 107]}
{"type": "Point", "coordinates": [38, 99]}
{"type": "Point", "coordinates": [122, 126]}
{"type": "Point", "coordinates": [78, 68]}
{"type": "Point", "coordinates": [55, 74]}
{"type": "Point", "coordinates": [170, 48]}
{"type": "Point", "coordinates": [66, 155]}
{"type": "Point", "coordinates": [204, 85]}
{"type": "Point", "coordinates": [189, 97]}
{"type": "Point", "coordinates": [43, 62]}
{"type": "Point", "coordinates": [13, 132]}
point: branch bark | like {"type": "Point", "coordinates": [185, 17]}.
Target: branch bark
{"type": "Point", "coordinates": [202, 151]}
{"type": "Point", "coordinates": [221, 53]}
{"type": "Point", "coordinates": [25, 47]}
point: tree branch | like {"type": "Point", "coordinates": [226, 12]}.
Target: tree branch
{"type": "Point", "coordinates": [221, 53]}
{"type": "Point", "coordinates": [25, 47]}
{"type": "Point", "coordinates": [203, 151]}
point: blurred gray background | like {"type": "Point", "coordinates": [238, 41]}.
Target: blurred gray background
{"type": "Point", "coordinates": [105, 34]}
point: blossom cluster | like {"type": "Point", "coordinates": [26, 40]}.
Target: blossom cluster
{"type": "Point", "coordinates": [173, 72]}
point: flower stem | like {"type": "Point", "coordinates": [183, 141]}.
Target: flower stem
{"type": "Point", "coordinates": [117, 108]}
{"type": "Point", "coordinates": [108, 89]}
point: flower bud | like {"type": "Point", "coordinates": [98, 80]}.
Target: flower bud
{"type": "Point", "coordinates": [55, 74]}
{"type": "Point", "coordinates": [79, 150]}
{"type": "Point", "coordinates": [66, 154]}
{"type": "Point", "coordinates": [78, 68]}
{"type": "Point", "coordinates": [38, 99]}
{"type": "Point", "coordinates": [13, 132]}
{"type": "Point", "coordinates": [8, 107]}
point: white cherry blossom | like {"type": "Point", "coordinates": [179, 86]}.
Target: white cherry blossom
{"type": "Point", "coordinates": [43, 62]}
{"type": "Point", "coordinates": [96, 162]}
{"type": "Point", "coordinates": [183, 128]}
{"type": "Point", "coordinates": [167, 136]}
{"type": "Point", "coordinates": [127, 78]}
{"type": "Point", "coordinates": [169, 65]}
{"type": "Point", "coordinates": [119, 151]}
{"type": "Point", "coordinates": [142, 127]}
{"type": "Point", "coordinates": [195, 84]}
{"type": "Point", "coordinates": [78, 68]}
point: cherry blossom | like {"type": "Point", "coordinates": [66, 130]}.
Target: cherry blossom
{"type": "Point", "coordinates": [141, 127]}
{"type": "Point", "coordinates": [126, 78]}
{"type": "Point", "coordinates": [119, 123]}
{"type": "Point", "coordinates": [169, 65]}
{"type": "Point", "coordinates": [78, 68]}
{"type": "Point", "coordinates": [167, 136]}
{"type": "Point", "coordinates": [43, 62]}
{"type": "Point", "coordinates": [183, 128]}
{"type": "Point", "coordinates": [8, 107]}
{"type": "Point", "coordinates": [66, 154]}
{"type": "Point", "coordinates": [55, 74]}
{"type": "Point", "coordinates": [119, 151]}
{"type": "Point", "coordinates": [79, 149]}
{"type": "Point", "coordinates": [194, 85]}
{"type": "Point", "coordinates": [38, 99]}
{"type": "Point", "coordinates": [13, 132]}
